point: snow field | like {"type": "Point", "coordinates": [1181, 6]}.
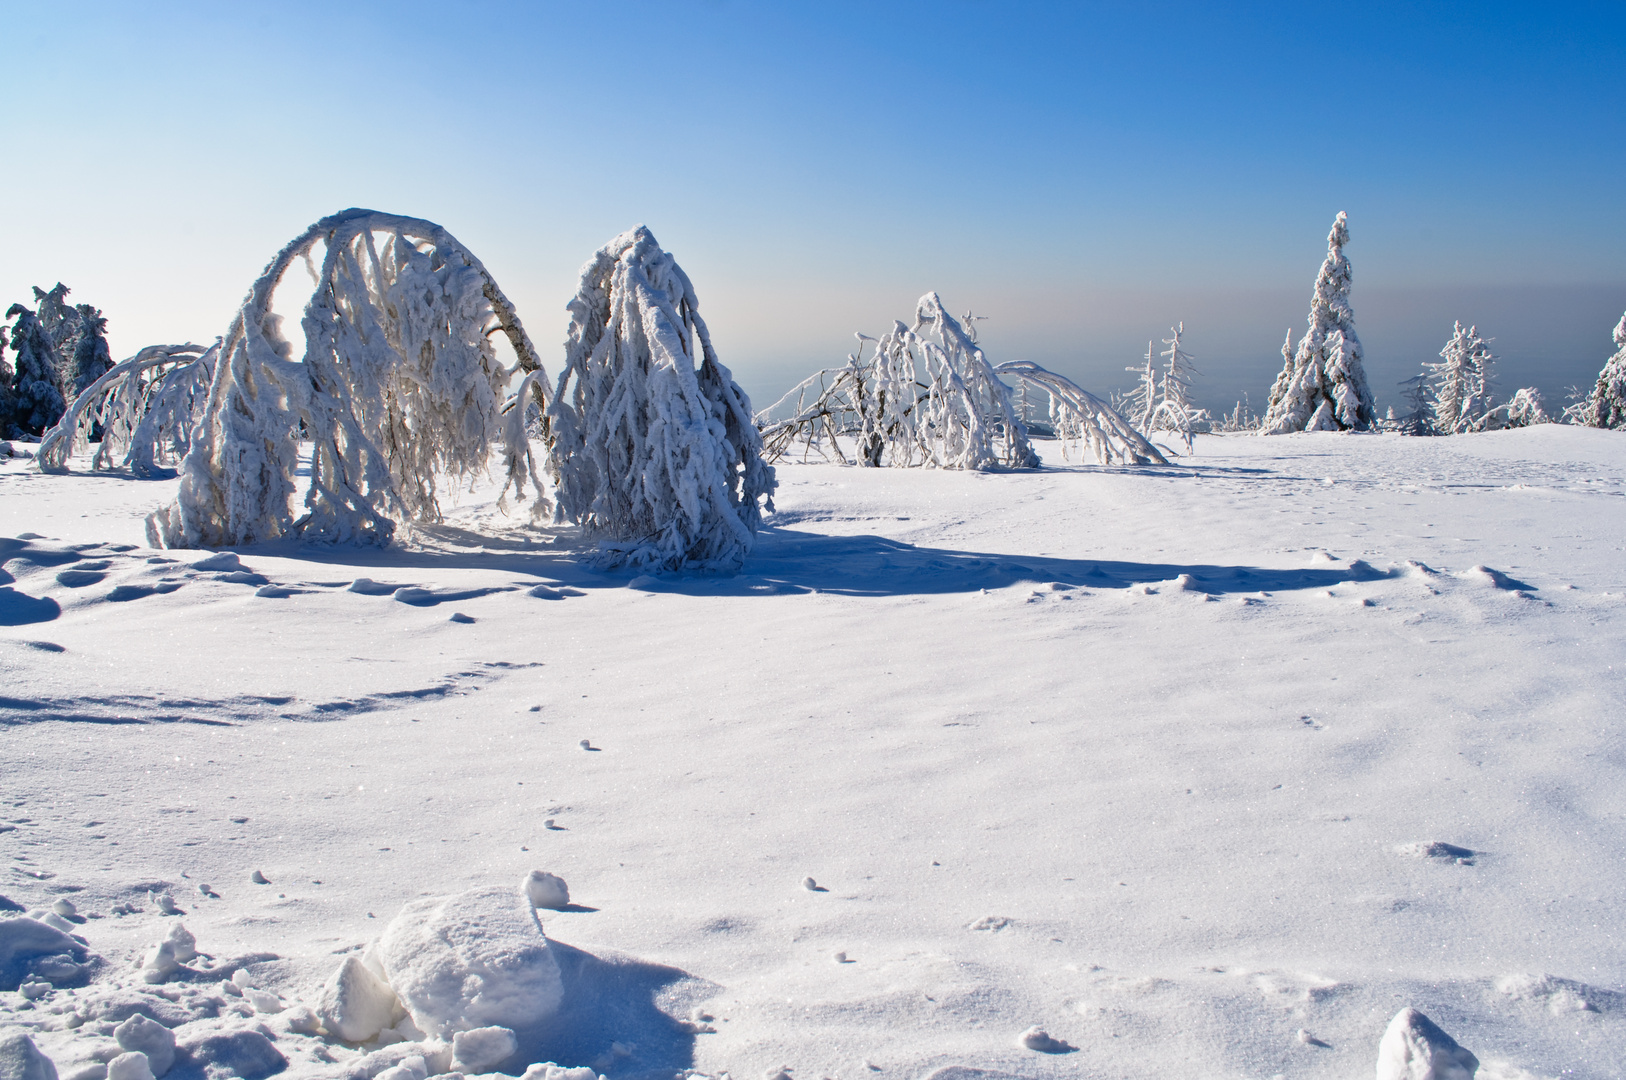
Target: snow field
{"type": "Point", "coordinates": [1164, 825]}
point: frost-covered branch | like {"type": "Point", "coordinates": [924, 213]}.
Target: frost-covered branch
{"type": "Point", "coordinates": [1081, 417]}
{"type": "Point", "coordinates": [398, 383]}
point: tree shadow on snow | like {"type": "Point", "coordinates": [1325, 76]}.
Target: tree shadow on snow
{"type": "Point", "coordinates": [795, 561]}
{"type": "Point", "coordinates": [610, 1019]}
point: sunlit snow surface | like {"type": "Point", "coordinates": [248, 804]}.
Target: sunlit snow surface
{"type": "Point", "coordinates": [1173, 763]}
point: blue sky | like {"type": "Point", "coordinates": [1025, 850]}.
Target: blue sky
{"type": "Point", "coordinates": [1082, 174]}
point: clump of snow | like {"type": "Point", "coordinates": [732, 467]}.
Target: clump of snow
{"type": "Point", "coordinates": [475, 959]}
{"type": "Point", "coordinates": [355, 1004]}
{"type": "Point", "coordinates": [182, 941]}
{"type": "Point", "coordinates": [547, 1070]}
{"type": "Point", "coordinates": [546, 890]}
{"type": "Point", "coordinates": [480, 1049]}
{"type": "Point", "coordinates": [1414, 1048]}
{"type": "Point", "coordinates": [1435, 849]}
{"type": "Point", "coordinates": [1037, 1038]}
{"type": "Point", "coordinates": [131, 1065]}
{"type": "Point", "coordinates": [20, 1059]}
{"type": "Point", "coordinates": [150, 1038]}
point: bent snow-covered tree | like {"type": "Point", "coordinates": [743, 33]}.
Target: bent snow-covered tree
{"type": "Point", "coordinates": [1082, 419]}
{"type": "Point", "coordinates": [1606, 406]}
{"type": "Point", "coordinates": [926, 396]}
{"type": "Point", "coordinates": [1322, 386]}
{"type": "Point", "coordinates": [398, 383]}
{"type": "Point", "coordinates": [654, 449]}
{"type": "Point", "coordinates": [142, 409]}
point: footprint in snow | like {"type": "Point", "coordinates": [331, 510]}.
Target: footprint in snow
{"type": "Point", "coordinates": [124, 593]}
{"type": "Point", "coordinates": [1436, 849]}
{"type": "Point", "coordinates": [459, 617]}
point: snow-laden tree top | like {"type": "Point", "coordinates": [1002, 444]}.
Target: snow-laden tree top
{"type": "Point", "coordinates": [1323, 386]}
{"type": "Point", "coordinates": [654, 451]}
{"type": "Point", "coordinates": [398, 382]}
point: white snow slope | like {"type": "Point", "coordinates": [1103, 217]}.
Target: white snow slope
{"type": "Point", "coordinates": [1151, 758]}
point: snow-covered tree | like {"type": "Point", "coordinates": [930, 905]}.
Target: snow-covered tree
{"type": "Point", "coordinates": [654, 448]}
{"type": "Point", "coordinates": [37, 401]}
{"type": "Point", "coordinates": [1524, 409]}
{"type": "Point", "coordinates": [1174, 412]}
{"type": "Point", "coordinates": [1322, 385]}
{"type": "Point", "coordinates": [1137, 405]}
{"type": "Point", "coordinates": [1606, 407]}
{"type": "Point", "coordinates": [8, 396]}
{"type": "Point", "coordinates": [142, 410]}
{"type": "Point", "coordinates": [1418, 399]}
{"type": "Point", "coordinates": [398, 383]}
{"type": "Point", "coordinates": [926, 396]}
{"type": "Point", "coordinates": [1460, 381]}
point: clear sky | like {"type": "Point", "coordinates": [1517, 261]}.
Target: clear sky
{"type": "Point", "coordinates": [1083, 174]}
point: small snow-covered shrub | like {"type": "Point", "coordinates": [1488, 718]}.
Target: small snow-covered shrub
{"type": "Point", "coordinates": [1322, 386]}
{"type": "Point", "coordinates": [654, 451]}
{"type": "Point", "coordinates": [1606, 406]}
{"type": "Point", "coordinates": [398, 384]}
{"type": "Point", "coordinates": [926, 396]}
{"type": "Point", "coordinates": [1174, 411]}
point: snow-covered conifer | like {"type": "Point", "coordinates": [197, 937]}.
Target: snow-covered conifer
{"type": "Point", "coordinates": [654, 451]}
{"type": "Point", "coordinates": [398, 383]}
{"type": "Point", "coordinates": [1461, 381]}
{"type": "Point", "coordinates": [37, 394]}
{"type": "Point", "coordinates": [1140, 402]}
{"type": "Point", "coordinates": [1174, 412]}
{"type": "Point", "coordinates": [1606, 407]}
{"type": "Point", "coordinates": [1418, 397]}
{"type": "Point", "coordinates": [1322, 386]}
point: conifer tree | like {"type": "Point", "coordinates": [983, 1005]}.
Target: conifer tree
{"type": "Point", "coordinates": [38, 395]}
{"type": "Point", "coordinates": [1461, 381]}
{"type": "Point", "coordinates": [1323, 385]}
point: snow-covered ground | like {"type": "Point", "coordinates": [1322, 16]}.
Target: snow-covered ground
{"type": "Point", "coordinates": [1152, 758]}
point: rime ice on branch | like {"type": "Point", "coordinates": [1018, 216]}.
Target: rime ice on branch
{"type": "Point", "coordinates": [398, 382]}
{"type": "Point", "coordinates": [654, 449]}
{"type": "Point", "coordinates": [1322, 386]}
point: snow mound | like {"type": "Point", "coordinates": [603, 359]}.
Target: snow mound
{"type": "Point", "coordinates": [244, 1052]}
{"type": "Point", "coordinates": [1415, 1049]}
{"type": "Point", "coordinates": [20, 1059]}
{"type": "Point", "coordinates": [131, 1065]}
{"type": "Point", "coordinates": [224, 561]}
{"type": "Point", "coordinates": [1435, 849]}
{"type": "Point", "coordinates": [1560, 996]}
{"type": "Point", "coordinates": [472, 960]}
{"type": "Point", "coordinates": [31, 950]}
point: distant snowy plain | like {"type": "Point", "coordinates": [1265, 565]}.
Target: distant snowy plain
{"type": "Point", "coordinates": [1208, 769]}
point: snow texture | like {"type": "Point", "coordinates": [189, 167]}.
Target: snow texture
{"type": "Point", "coordinates": [472, 960]}
{"type": "Point", "coordinates": [927, 396]}
{"type": "Point", "coordinates": [1322, 386]}
{"type": "Point", "coordinates": [1414, 1048]}
{"type": "Point", "coordinates": [398, 384]}
{"type": "Point", "coordinates": [654, 450]}
{"type": "Point", "coordinates": [1606, 407]}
